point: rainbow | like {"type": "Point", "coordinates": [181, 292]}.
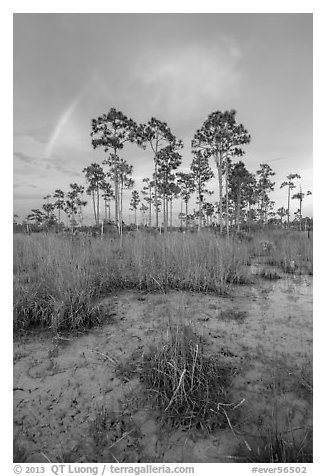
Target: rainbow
{"type": "Point", "coordinates": [61, 123]}
{"type": "Point", "coordinates": [95, 83]}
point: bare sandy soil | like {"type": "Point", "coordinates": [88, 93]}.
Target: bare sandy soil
{"type": "Point", "coordinates": [81, 398]}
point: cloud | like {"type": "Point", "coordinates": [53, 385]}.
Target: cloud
{"type": "Point", "coordinates": [28, 159]}
{"type": "Point", "coordinates": [19, 185]}
{"type": "Point", "coordinates": [21, 172]}
{"type": "Point", "coordinates": [40, 134]}
{"type": "Point", "coordinates": [185, 81]}
{"type": "Point", "coordinates": [41, 167]}
{"type": "Point", "coordinates": [27, 195]}
{"type": "Point", "coordinates": [278, 158]}
{"type": "Point", "coordinates": [57, 163]}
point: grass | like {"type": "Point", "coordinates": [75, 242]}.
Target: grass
{"type": "Point", "coordinates": [283, 421]}
{"type": "Point", "coordinates": [291, 251]}
{"type": "Point", "coordinates": [58, 280]}
{"type": "Point", "coordinates": [190, 387]}
{"type": "Point", "coordinates": [276, 445]}
{"type": "Point", "coordinates": [269, 274]}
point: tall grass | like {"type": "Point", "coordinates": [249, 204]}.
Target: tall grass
{"type": "Point", "coordinates": [54, 285]}
{"type": "Point", "coordinates": [290, 250]}
{"type": "Point", "coordinates": [57, 279]}
{"type": "Point", "coordinates": [199, 262]}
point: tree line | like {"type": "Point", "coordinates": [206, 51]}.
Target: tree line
{"type": "Point", "coordinates": [243, 197]}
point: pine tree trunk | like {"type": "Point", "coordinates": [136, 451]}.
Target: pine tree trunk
{"type": "Point", "coordinates": [200, 206]}
{"type": "Point", "coordinates": [93, 198]}
{"type": "Point", "coordinates": [171, 212]}
{"type": "Point", "coordinates": [219, 170]}
{"type": "Point", "coordinates": [300, 215]}
{"type": "Point", "coordinates": [156, 207]}
{"type": "Point", "coordinates": [72, 220]}
{"type": "Point", "coordinates": [238, 209]}
{"type": "Point", "coordinates": [289, 207]}
{"type": "Point", "coordinates": [150, 208]}
{"type": "Point", "coordinates": [121, 207]}
{"type": "Point", "coordinates": [98, 206]}
{"type": "Point", "coordinates": [227, 195]}
{"type": "Point", "coordinates": [164, 212]}
{"type": "Point", "coordinates": [116, 188]}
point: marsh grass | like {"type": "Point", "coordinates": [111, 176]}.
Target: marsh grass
{"type": "Point", "coordinates": [189, 387]}
{"type": "Point", "coordinates": [284, 424]}
{"type": "Point", "coordinates": [276, 445]}
{"type": "Point", "coordinates": [199, 262]}
{"type": "Point", "coordinates": [58, 279]}
{"type": "Point", "coordinates": [292, 251]}
{"type": "Point", "coordinates": [269, 274]}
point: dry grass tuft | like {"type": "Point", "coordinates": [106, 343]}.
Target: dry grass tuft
{"type": "Point", "coordinates": [190, 387]}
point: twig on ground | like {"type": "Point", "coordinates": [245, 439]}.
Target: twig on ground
{"type": "Point", "coordinates": [126, 433]}
{"type": "Point", "coordinates": [48, 460]}
{"type": "Point", "coordinates": [176, 390]}
{"type": "Point", "coordinates": [117, 461]}
{"type": "Point", "coordinates": [220, 406]}
{"type": "Point", "coordinates": [159, 285]}
{"type": "Point", "coordinates": [113, 361]}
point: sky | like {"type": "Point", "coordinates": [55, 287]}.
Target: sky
{"type": "Point", "coordinates": [71, 68]}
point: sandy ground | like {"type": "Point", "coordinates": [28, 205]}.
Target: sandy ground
{"type": "Point", "coordinates": [80, 398]}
